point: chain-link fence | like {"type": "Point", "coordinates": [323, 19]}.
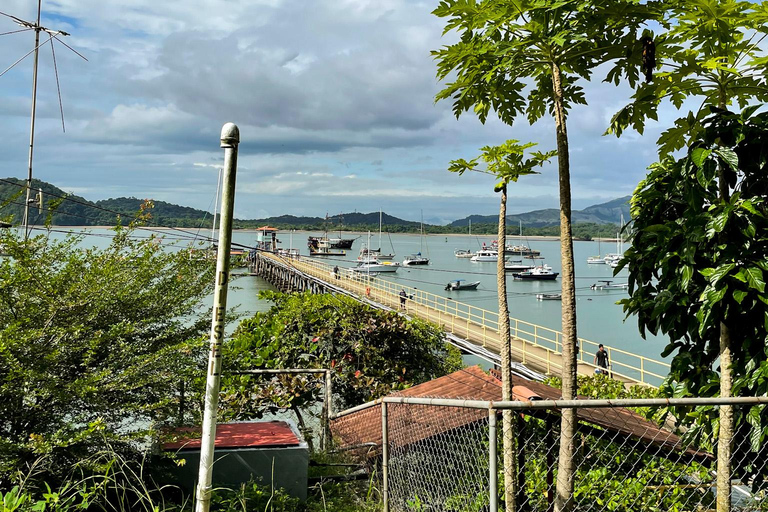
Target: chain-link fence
{"type": "Point", "coordinates": [629, 455]}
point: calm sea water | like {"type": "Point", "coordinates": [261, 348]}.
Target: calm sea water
{"type": "Point", "coordinates": [599, 318]}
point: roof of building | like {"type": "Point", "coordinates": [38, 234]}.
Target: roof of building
{"type": "Point", "coordinates": [251, 434]}
{"type": "Point", "coordinates": [364, 426]}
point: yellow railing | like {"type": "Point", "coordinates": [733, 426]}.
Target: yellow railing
{"type": "Point", "coordinates": [482, 325]}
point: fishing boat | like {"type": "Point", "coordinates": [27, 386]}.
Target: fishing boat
{"type": "Point", "coordinates": [520, 249]}
{"type": "Point", "coordinates": [461, 284]}
{"type": "Point", "coordinates": [465, 253]}
{"type": "Point", "coordinates": [540, 273]}
{"type": "Point", "coordinates": [321, 246]}
{"type": "Point", "coordinates": [609, 285]}
{"type": "Point", "coordinates": [417, 259]}
{"type": "Point", "coordinates": [486, 255]}
{"type": "Point", "coordinates": [549, 296]}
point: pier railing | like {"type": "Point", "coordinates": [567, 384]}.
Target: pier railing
{"type": "Point", "coordinates": [533, 344]}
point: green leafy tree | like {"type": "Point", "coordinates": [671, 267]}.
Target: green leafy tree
{"type": "Point", "coordinates": [526, 58]}
{"type": "Point", "coordinates": [506, 163]}
{"type": "Point", "coordinates": [697, 264]}
{"type": "Point", "coordinates": [711, 51]}
{"type": "Point", "coordinates": [92, 345]}
{"type": "Point", "coordinates": [370, 352]}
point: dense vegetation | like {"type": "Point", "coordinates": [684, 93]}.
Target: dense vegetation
{"type": "Point", "coordinates": [93, 344]}
{"type": "Point", "coordinates": [371, 353]}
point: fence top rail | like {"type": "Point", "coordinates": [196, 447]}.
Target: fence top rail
{"type": "Point", "coordinates": [278, 371]}
{"type": "Point", "coordinates": [571, 404]}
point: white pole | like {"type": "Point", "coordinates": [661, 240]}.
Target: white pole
{"type": "Point", "coordinates": [230, 138]}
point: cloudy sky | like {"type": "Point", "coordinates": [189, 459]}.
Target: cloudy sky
{"type": "Point", "coordinates": [334, 100]}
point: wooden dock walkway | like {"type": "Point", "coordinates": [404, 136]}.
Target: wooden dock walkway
{"type": "Point", "coordinates": [535, 346]}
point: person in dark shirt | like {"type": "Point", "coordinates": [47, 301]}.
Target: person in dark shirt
{"type": "Point", "coordinates": [403, 296]}
{"type": "Point", "coordinates": [601, 360]}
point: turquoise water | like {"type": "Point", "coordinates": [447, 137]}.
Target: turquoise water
{"type": "Point", "coordinates": [599, 318]}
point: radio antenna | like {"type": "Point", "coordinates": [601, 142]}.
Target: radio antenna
{"type": "Point", "coordinates": [53, 36]}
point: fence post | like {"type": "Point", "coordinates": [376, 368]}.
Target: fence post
{"type": "Point", "coordinates": [328, 413]}
{"type": "Point", "coordinates": [493, 472]}
{"type": "Point", "coordinates": [384, 456]}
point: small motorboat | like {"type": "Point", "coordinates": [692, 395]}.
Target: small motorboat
{"type": "Point", "coordinates": [461, 284]}
{"type": "Point", "coordinates": [541, 273]}
{"type": "Point", "coordinates": [596, 260]}
{"type": "Point", "coordinates": [463, 253]}
{"type": "Point", "coordinates": [609, 285]}
{"type": "Point", "coordinates": [549, 296]}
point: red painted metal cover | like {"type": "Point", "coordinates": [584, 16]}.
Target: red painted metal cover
{"type": "Point", "coordinates": [262, 434]}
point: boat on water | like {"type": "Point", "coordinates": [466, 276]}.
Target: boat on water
{"type": "Point", "coordinates": [522, 250]}
{"type": "Point", "coordinates": [341, 243]}
{"type": "Point", "coordinates": [540, 273]}
{"type": "Point", "coordinates": [373, 266]}
{"type": "Point", "coordinates": [517, 266]}
{"type": "Point", "coordinates": [486, 255]}
{"type": "Point", "coordinates": [597, 260]}
{"type": "Point", "coordinates": [321, 246]}
{"type": "Point", "coordinates": [461, 284]}
{"type": "Point", "coordinates": [549, 296]}
{"type": "Point", "coordinates": [606, 284]}
{"type": "Point", "coordinates": [417, 259]}
{"type": "Point", "coordinates": [465, 253]}
{"type": "Point", "coordinates": [377, 252]}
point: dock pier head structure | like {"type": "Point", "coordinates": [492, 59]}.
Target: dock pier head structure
{"type": "Point", "coordinates": [473, 330]}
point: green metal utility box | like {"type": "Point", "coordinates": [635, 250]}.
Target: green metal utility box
{"type": "Point", "coordinates": [258, 450]}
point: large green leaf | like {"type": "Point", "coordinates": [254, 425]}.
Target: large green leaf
{"type": "Point", "coordinates": [755, 279]}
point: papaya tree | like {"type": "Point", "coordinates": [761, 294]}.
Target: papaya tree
{"type": "Point", "coordinates": [506, 163]}
{"type": "Point", "coordinates": [526, 58]}
{"type": "Point", "coordinates": [697, 274]}
{"type": "Point", "coordinates": [710, 51]}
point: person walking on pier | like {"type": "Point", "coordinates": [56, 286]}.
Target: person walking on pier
{"type": "Point", "coordinates": [336, 271]}
{"type": "Point", "coordinates": [601, 360]}
{"type": "Point", "coordinates": [403, 297]}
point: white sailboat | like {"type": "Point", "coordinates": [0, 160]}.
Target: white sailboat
{"type": "Point", "coordinates": [597, 260]}
{"type": "Point", "coordinates": [418, 259]}
{"type": "Point", "coordinates": [465, 253]}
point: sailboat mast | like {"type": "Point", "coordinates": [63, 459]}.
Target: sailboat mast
{"type": "Point", "coordinates": [379, 228]}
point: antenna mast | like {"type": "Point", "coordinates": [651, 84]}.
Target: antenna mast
{"type": "Point", "coordinates": [53, 34]}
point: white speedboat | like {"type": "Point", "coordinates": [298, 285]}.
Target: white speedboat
{"type": "Point", "coordinates": [596, 260]}
{"type": "Point", "coordinates": [549, 296]}
{"type": "Point", "coordinates": [463, 253]}
{"type": "Point", "coordinates": [373, 266]}
{"type": "Point", "coordinates": [486, 255]}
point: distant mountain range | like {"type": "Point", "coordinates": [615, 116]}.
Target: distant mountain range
{"type": "Point", "coordinates": [64, 209]}
{"type": "Point", "coordinates": [605, 213]}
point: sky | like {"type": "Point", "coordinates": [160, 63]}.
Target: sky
{"type": "Point", "coordinates": [334, 100]}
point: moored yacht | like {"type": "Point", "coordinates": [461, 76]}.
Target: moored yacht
{"type": "Point", "coordinates": [486, 255]}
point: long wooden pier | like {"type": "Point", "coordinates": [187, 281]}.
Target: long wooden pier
{"type": "Point", "coordinates": [535, 346]}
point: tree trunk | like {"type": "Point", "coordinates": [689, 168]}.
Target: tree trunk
{"type": "Point", "coordinates": [565, 472]}
{"type": "Point", "coordinates": [725, 435]}
{"type": "Point", "coordinates": [508, 433]}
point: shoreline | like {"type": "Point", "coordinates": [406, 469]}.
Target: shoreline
{"type": "Point", "coordinates": [351, 233]}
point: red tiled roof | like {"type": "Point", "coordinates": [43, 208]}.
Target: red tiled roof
{"type": "Point", "coordinates": [474, 384]}
{"type": "Point", "coordinates": [262, 434]}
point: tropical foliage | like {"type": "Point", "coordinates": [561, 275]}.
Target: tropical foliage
{"type": "Point", "coordinates": [370, 352]}
{"type": "Point", "coordinates": [93, 344]}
